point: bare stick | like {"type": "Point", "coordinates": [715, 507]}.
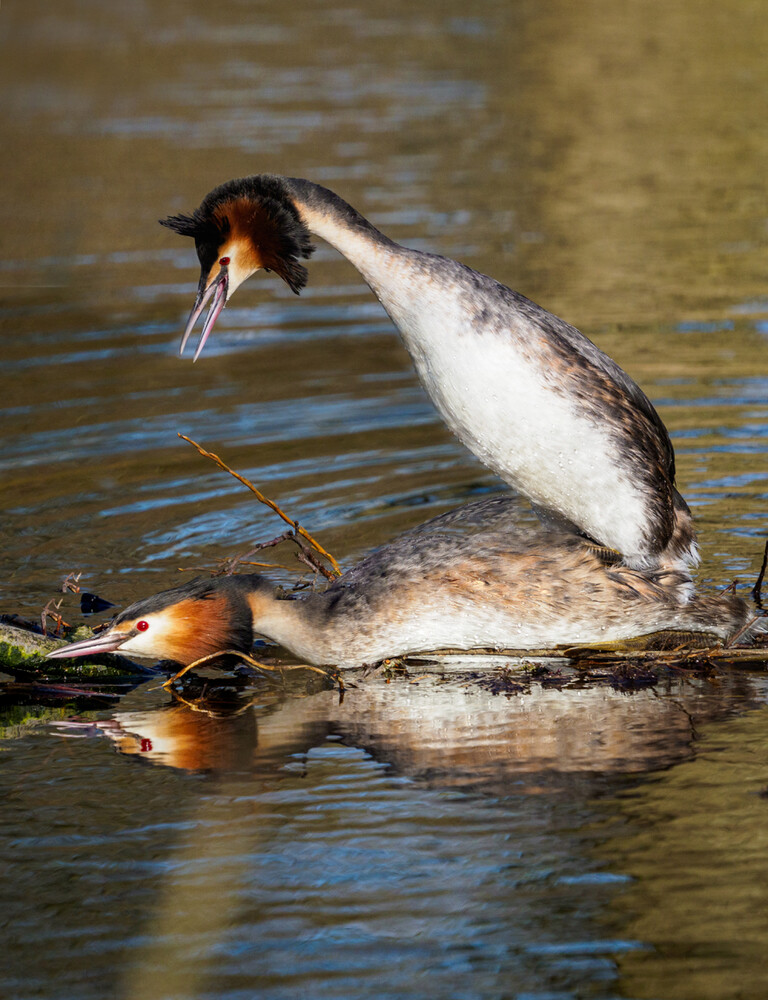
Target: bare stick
{"type": "Point", "coordinates": [745, 628]}
{"type": "Point", "coordinates": [756, 595]}
{"type": "Point", "coordinates": [230, 565]}
{"type": "Point", "coordinates": [71, 582]}
{"type": "Point", "coordinates": [247, 659]}
{"type": "Point", "coordinates": [51, 610]}
{"type": "Point", "coordinates": [269, 503]}
{"type": "Point", "coordinates": [261, 565]}
{"type": "Point", "coordinates": [306, 556]}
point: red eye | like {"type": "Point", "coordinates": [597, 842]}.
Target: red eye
{"type": "Point", "coordinates": [142, 626]}
{"type": "Point", "coordinates": [224, 261]}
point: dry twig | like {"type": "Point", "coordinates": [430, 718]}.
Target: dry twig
{"type": "Point", "coordinates": [247, 658]}
{"type": "Point", "coordinates": [71, 582]}
{"type": "Point", "coordinates": [297, 529]}
{"type": "Point", "coordinates": [51, 610]}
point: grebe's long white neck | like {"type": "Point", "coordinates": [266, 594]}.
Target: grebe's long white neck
{"type": "Point", "coordinates": [528, 394]}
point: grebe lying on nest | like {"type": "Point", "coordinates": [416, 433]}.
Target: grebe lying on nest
{"type": "Point", "coordinates": [476, 577]}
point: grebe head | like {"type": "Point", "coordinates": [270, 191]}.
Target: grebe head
{"type": "Point", "coordinates": [184, 624]}
{"type": "Point", "coordinates": [241, 227]}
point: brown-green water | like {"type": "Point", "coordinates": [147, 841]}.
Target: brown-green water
{"type": "Point", "coordinates": [422, 839]}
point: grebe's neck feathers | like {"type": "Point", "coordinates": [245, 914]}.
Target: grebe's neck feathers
{"type": "Point", "coordinates": [318, 202]}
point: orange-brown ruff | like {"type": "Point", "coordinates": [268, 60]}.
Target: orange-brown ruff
{"type": "Point", "coordinates": [533, 398]}
{"type": "Point", "coordinates": [477, 577]}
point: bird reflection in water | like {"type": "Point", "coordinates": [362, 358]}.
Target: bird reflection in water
{"type": "Point", "coordinates": [441, 725]}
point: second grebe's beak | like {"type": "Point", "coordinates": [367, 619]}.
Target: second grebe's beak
{"type": "Point", "coordinates": [105, 642]}
{"type": "Point", "coordinates": [217, 291]}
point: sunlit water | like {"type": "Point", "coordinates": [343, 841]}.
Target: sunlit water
{"type": "Point", "coordinates": [418, 839]}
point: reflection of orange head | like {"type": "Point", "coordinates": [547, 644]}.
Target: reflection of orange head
{"type": "Point", "coordinates": [175, 736]}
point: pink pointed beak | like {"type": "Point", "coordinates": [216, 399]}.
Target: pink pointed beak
{"type": "Point", "coordinates": [216, 291]}
{"type": "Point", "coordinates": [106, 642]}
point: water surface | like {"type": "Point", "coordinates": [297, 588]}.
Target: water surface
{"type": "Point", "coordinates": [419, 838]}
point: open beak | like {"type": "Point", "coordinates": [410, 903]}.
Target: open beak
{"type": "Point", "coordinates": [216, 294]}
{"type": "Point", "coordinates": [105, 642]}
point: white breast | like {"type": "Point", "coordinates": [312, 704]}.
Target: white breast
{"type": "Point", "coordinates": [443, 623]}
{"type": "Point", "coordinates": [509, 411]}
{"type": "Point", "coordinates": [516, 418]}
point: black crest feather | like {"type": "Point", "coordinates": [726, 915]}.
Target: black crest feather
{"type": "Point", "coordinates": [204, 229]}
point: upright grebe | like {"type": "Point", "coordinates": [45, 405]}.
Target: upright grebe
{"type": "Point", "coordinates": [474, 578]}
{"type": "Point", "coordinates": [530, 396]}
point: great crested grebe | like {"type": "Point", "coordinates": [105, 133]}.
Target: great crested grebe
{"type": "Point", "coordinates": [476, 577]}
{"type": "Point", "coordinates": [528, 394]}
